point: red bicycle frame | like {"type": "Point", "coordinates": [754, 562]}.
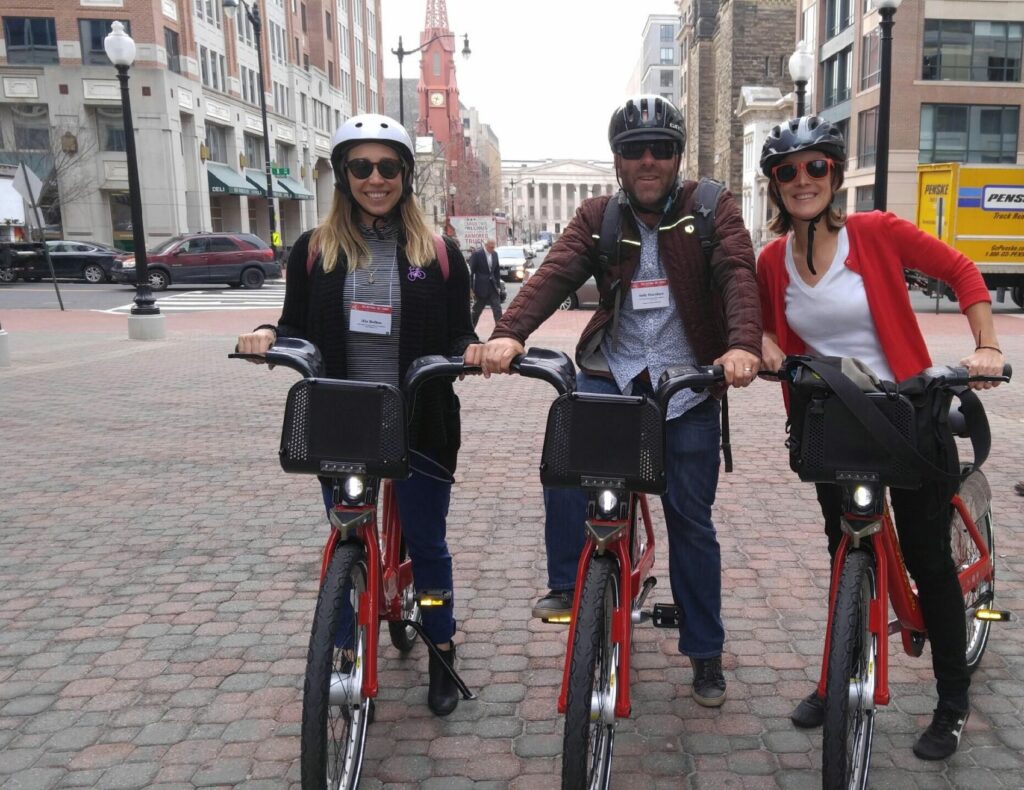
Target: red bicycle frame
{"type": "Point", "coordinates": [893, 583]}
{"type": "Point", "coordinates": [632, 572]}
{"type": "Point", "coordinates": [386, 575]}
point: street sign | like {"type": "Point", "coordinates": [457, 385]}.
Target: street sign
{"type": "Point", "coordinates": [27, 184]}
{"type": "Point", "coordinates": [280, 171]}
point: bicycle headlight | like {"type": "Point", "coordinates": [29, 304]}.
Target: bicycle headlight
{"type": "Point", "coordinates": [607, 503]}
{"type": "Point", "coordinates": [354, 488]}
{"type": "Point", "coordinates": [863, 497]}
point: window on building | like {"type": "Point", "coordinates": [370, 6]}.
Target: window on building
{"type": "Point", "coordinates": [302, 108]}
{"type": "Point", "coordinates": [957, 49]}
{"type": "Point", "coordinates": [330, 73]}
{"type": "Point", "coordinates": [346, 85]}
{"type": "Point", "coordinates": [360, 95]}
{"type": "Point", "coordinates": [305, 61]}
{"type": "Point", "coordinates": [31, 127]}
{"type": "Point", "coordinates": [667, 55]}
{"type": "Point", "coordinates": [110, 128]}
{"type": "Point", "coordinates": [838, 17]}
{"type": "Point", "coordinates": [302, 16]}
{"type": "Point", "coordinates": [666, 78]}
{"type": "Point", "coordinates": [870, 59]}
{"type": "Point", "coordinates": [298, 58]}
{"type": "Point", "coordinates": [837, 77]}
{"type": "Point", "coordinates": [867, 137]}
{"type": "Point", "coordinates": [969, 133]}
{"type": "Point", "coordinates": [30, 39]}
{"type": "Point", "coordinates": [864, 198]}
{"type": "Point", "coordinates": [667, 33]}
{"type": "Point", "coordinates": [253, 151]}
{"type": "Point", "coordinates": [91, 33]}
{"type": "Point", "coordinates": [217, 142]}
{"type": "Point", "coordinates": [436, 61]}
{"type": "Point", "coordinates": [173, 50]}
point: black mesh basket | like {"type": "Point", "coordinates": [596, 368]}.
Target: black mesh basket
{"type": "Point", "coordinates": [335, 428]}
{"type": "Point", "coordinates": [604, 437]}
{"type": "Point", "coordinates": [827, 439]}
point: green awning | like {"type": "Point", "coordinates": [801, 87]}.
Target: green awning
{"type": "Point", "coordinates": [258, 179]}
{"type": "Point", "coordinates": [225, 181]}
{"type": "Point", "coordinates": [294, 188]}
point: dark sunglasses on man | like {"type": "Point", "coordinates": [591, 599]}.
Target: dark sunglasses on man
{"type": "Point", "coordinates": [816, 169]}
{"type": "Point", "coordinates": [362, 168]}
{"type": "Point", "coordinates": [660, 149]}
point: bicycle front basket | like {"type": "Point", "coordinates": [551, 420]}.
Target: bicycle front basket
{"type": "Point", "coordinates": [604, 437]}
{"type": "Point", "coordinates": [335, 428]}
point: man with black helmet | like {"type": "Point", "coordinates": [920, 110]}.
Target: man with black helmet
{"type": "Point", "coordinates": [661, 305]}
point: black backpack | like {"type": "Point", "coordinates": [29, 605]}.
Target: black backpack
{"type": "Point", "coordinates": [705, 204]}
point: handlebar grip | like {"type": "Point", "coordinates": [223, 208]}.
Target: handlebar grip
{"type": "Point", "coordinates": [548, 365]}
{"type": "Point", "coordinates": [290, 352]}
{"type": "Point", "coordinates": [688, 377]}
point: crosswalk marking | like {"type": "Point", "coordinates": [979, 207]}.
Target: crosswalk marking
{"type": "Point", "coordinates": [271, 295]}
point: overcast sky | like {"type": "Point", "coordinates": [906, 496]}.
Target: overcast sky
{"type": "Point", "coordinates": [545, 74]}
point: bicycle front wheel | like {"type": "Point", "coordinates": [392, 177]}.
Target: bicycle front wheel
{"type": "Point", "coordinates": [334, 712]}
{"type": "Point", "coordinates": [965, 554]}
{"type": "Point", "coordinates": [850, 686]}
{"type": "Point", "coordinates": [593, 679]}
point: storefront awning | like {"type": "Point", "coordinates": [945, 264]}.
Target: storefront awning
{"type": "Point", "coordinates": [294, 189]}
{"type": "Point", "coordinates": [258, 179]}
{"type": "Point", "coordinates": [225, 181]}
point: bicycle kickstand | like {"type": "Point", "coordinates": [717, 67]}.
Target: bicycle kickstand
{"type": "Point", "coordinates": [436, 651]}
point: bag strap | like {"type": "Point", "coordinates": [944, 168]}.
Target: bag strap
{"type": "Point", "coordinates": [875, 422]}
{"type": "Point", "coordinates": [705, 205]}
{"type": "Point", "coordinates": [439, 248]}
{"type": "Point", "coordinates": [977, 424]}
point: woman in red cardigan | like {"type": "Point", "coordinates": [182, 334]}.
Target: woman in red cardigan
{"type": "Point", "coordinates": [833, 286]}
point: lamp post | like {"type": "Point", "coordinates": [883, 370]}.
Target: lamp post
{"type": "Point", "coordinates": [252, 13]}
{"type": "Point", "coordinates": [886, 9]}
{"type": "Point", "coordinates": [801, 66]}
{"type": "Point", "coordinates": [120, 48]}
{"type": "Point", "coordinates": [401, 53]}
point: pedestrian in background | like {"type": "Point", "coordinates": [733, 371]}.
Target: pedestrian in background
{"type": "Point", "coordinates": [487, 287]}
{"type": "Point", "coordinates": [659, 309]}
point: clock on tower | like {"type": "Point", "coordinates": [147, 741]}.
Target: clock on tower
{"type": "Point", "coordinates": [436, 99]}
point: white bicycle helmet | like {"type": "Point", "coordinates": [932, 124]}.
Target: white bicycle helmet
{"type": "Point", "coordinates": [372, 128]}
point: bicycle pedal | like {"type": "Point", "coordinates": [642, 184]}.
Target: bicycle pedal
{"type": "Point", "coordinates": [665, 615]}
{"type": "Point", "coordinates": [995, 615]}
{"type": "Point", "coordinates": [431, 599]}
{"type": "Point", "coordinates": [558, 619]}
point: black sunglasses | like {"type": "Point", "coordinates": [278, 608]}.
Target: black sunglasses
{"type": "Point", "coordinates": [660, 149]}
{"type": "Point", "coordinates": [816, 168]}
{"type": "Point", "coordinates": [362, 168]}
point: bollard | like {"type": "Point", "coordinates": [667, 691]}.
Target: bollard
{"type": "Point", "coordinates": [5, 351]}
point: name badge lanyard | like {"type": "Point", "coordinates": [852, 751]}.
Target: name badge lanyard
{"type": "Point", "coordinates": [370, 318]}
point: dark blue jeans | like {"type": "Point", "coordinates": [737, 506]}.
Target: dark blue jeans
{"type": "Point", "coordinates": [694, 559]}
{"type": "Point", "coordinates": [423, 509]}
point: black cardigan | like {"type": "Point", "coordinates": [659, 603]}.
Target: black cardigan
{"type": "Point", "coordinates": [435, 320]}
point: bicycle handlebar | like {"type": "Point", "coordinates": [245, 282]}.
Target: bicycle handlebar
{"type": "Point", "coordinates": [290, 352]}
{"type": "Point", "coordinates": [939, 375]}
{"type": "Point", "coordinates": [687, 377]}
{"type": "Point", "coordinates": [554, 367]}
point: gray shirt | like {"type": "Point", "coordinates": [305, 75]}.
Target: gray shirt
{"type": "Point", "coordinates": [652, 340]}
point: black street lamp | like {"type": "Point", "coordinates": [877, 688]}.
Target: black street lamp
{"type": "Point", "coordinates": [120, 48]}
{"type": "Point", "coordinates": [252, 13]}
{"type": "Point", "coordinates": [886, 9]}
{"type": "Point", "coordinates": [401, 53]}
{"type": "Point", "coordinates": [801, 66]}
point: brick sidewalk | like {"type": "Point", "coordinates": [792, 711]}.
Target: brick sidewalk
{"type": "Point", "coordinates": [158, 575]}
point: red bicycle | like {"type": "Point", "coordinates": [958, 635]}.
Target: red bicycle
{"type": "Point", "coordinates": [869, 571]}
{"type": "Point", "coordinates": [611, 446]}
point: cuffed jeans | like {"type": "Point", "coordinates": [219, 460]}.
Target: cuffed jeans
{"type": "Point", "coordinates": [694, 561]}
{"type": "Point", "coordinates": [423, 510]}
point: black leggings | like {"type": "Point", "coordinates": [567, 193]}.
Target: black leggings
{"type": "Point", "coordinates": [922, 519]}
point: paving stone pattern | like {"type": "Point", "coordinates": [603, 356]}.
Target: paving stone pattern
{"type": "Point", "coordinates": [158, 574]}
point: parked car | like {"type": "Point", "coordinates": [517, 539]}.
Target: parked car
{"type": "Point", "coordinates": [20, 259]}
{"type": "Point", "coordinates": [586, 296]}
{"type": "Point", "coordinates": [235, 259]}
{"type": "Point", "coordinates": [87, 260]}
{"type": "Point", "coordinates": [512, 263]}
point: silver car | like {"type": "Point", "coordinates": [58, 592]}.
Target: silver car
{"type": "Point", "coordinates": [512, 263]}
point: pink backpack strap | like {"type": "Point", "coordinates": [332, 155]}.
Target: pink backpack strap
{"type": "Point", "coordinates": [311, 255]}
{"type": "Point", "coordinates": [442, 255]}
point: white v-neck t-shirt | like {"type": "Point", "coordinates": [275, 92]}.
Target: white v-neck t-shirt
{"type": "Point", "coordinates": [832, 316]}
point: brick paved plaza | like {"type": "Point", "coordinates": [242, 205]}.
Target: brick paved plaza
{"type": "Point", "coordinates": [158, 574]}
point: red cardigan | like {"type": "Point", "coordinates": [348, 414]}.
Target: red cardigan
{"type": "Point", "coordinates": [881, 246]}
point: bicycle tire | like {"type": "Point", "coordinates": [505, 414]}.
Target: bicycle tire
{"type": "Point", "coordinates": [966, 553]}
{"type": "Point", "coordinates": [589, 720]}
{"type": "Point", "coordinates": [403, 637]}
{"type": "Point", "coordinates": [334, 713]}
{"type": "Point", "coordinates": [849, 707]}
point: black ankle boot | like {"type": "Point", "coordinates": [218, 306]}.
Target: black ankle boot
{"type": "Point", "coordinates": [443, 694]}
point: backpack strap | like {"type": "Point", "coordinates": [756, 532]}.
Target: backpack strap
{"type": "Point", "coordinates": [439, 248]}
{"type": "Point", "coordinates": [705, 204]}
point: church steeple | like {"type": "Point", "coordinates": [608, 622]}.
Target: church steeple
{"type": "Point", "coordinates": [438, 89]}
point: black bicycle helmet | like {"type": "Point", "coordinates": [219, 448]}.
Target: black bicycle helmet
{"type": "Point", "coordinates": [809, 133]}
{"type": "Point", "coordinates": [646, 117]}
{"type": "Point", "coordinates": [371, 128]}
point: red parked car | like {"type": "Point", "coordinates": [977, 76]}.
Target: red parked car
{"type": "Point", "coordinates": [235, 259]}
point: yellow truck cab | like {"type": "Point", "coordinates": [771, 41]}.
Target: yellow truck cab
{"type": "Point", "coordinates": [979, 210]}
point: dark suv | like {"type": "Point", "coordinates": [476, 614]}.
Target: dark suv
{"type": "Point", "coordinates": [236, 259]}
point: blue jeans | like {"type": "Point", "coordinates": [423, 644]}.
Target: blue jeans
{"type": "Point", "coordinates": [694, 561]}
{"type": "Point", "coordinates": [423, 510]}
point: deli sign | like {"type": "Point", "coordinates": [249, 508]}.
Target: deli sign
{"type": "Point", "coordinates": [1003, 198]}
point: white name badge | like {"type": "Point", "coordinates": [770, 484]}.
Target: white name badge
{"type": "Point", "coordinates": [649, 294]}
{"type": "Point", "coordinates": [372, 319]}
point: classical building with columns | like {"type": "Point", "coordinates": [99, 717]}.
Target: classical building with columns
{"type": "Point", "coordinates": [543, 195]}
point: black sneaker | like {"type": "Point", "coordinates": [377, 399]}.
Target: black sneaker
{"type": "Point", "coordinates": [942, 737]}
{"type": "Point", "coordinates": [810, 712]}
{"type": "Point", "coordinates": [556, 604]}
{"type": "Point", "coordinates": [708, 681]}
